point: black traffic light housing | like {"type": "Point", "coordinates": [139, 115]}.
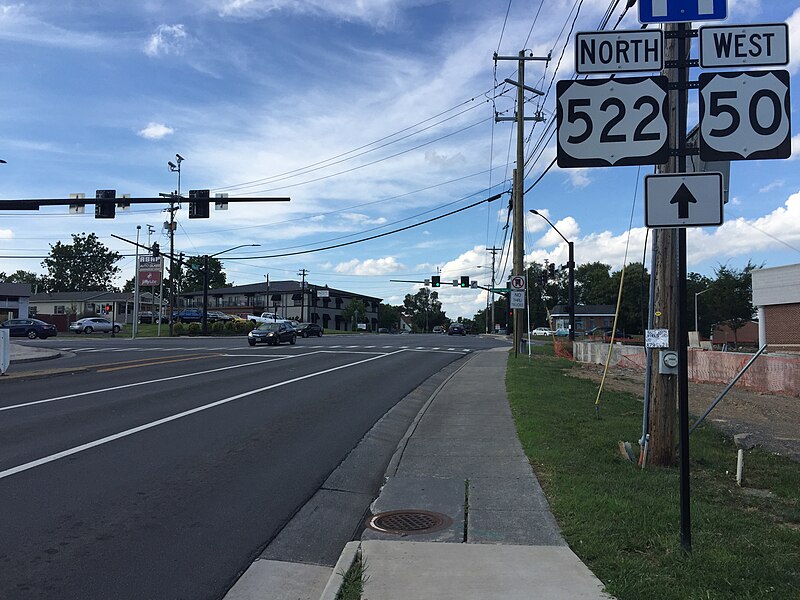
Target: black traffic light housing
{"type": "Point", "coordinates": [436, 281]}
{"type": "Point", "coordinates": [156, 250]}
{"type": "Point", "coordinates": [551, 268]}
{"type": "Point", "coordinates": [107, 209]}
{"type": "Point", "coordinates": [465, 281]}
{"type": "Point", "coordinates": [199, 204]}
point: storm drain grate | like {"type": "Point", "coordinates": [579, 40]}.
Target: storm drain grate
{"type": "Point", "coordinates": [408, 521]}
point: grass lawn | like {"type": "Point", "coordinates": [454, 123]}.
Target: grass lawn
{"type": "Point", "coordinates": [623, 522]}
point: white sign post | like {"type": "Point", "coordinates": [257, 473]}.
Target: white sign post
{"type": "Point", "coordinates": [5, 350]}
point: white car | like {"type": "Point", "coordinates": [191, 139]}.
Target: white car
{"type": "Point", "coordinates": [90, 324]}
{"type": "Point", "coordinates": [541, 331]}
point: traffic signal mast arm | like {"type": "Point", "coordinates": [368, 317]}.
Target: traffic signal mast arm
{"type": "Point", "coordinates": [36, 204]}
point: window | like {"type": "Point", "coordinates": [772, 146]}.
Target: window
{"type": "Point", "coordinates": [60, 310]}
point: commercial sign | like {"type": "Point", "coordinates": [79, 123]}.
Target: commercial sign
{"type": "Point", "coordinates": [745, 115]}
{"type": "Point", "coordinates": [619, 51]}
{"type": "Point", "coordinates": [150, 269]}
{"type": "Point", "coordinates": [744, 45]}
{"type": "Point", "coordinates": [612, 122]}
{"type": "Point", "coordinates": [680, 11]}
{"type": "Point", "coordinates": [683, 200]}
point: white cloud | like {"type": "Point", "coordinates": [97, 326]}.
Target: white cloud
{"type": "Point", "coordinates": [772, 186]}
{"type": "Point", "coordinates": [155, 131]}
{"type": "Point", "coordinates": [6, 234]}
{"type": "Point", "coordinates": [376, 12]}
{"type": "Point", "coordinates": [370, 266]}
{"type": "Point", "coordinates": [360, 220]}
{"type": "Point", "coordinates": [568, 227]}
{"type": "Point", "coordinates": [794, 42]}
{"type": "Point", "coordinates": [579, 177]}
{"type": "Point", "coordinates": [795, 141]}
{"type": "Point", "coordinates": [19, 25]}
{"type": "Point", "coordinates": [167, 39]}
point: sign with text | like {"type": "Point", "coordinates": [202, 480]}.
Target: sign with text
{"type": "Point", "coordinates": [612, 122]}
{"type": "Point", "coordinates": [745, 115]}
{"type": "Point", "coordinates": [744, 45]}
{"type": "Point", "coordinates": [619, 51]}
{"type": "Point", "coordinates": [516, 299]}
{"type": "Point", "coordinates": [150, 269]}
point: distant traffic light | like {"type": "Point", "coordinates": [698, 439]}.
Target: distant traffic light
{"type": "Point", "coordinates": [552, 269]}
{"type": "Point", "coordinates": [465, 281]}
{"type": "Point", "coordinates": [436, 281]}
{"type": "Point", "coordinates": [109, 308]}
{"type": "Point", "coordinates": [198, 204]}
{"type": "Point", "coordinates": [156, 250]}
{"type": "Point", "coordinates": [105, 210]}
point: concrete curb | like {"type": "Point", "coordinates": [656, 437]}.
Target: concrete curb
{"type": "Point", "coordinates": [30, 359]}
{"type": "Point", "coordinates": [350, 553]}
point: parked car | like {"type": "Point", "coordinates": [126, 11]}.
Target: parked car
{"type": "Point", "coordinates": [438, 329]}
{"type": "Point", "coordinates": [30, 328]}
{"type": "Point", "coordinates": [542, 331]}
{"type": "Point", "coordinates": [148, 316]}
{"type": "Point", "coordinates": [308, 329]}
{"type": "Point", "coordinates": [456, 329]}
{"type": "Point", "coordinates": [188, 315]}
{"type": "Point", "coordinates": [604, 333]}
{"type": "Point", "coordinates": [91, 324]}
{"type": "Point", "coordinates": [273, 334]}
{"type": "Point", "coordinates": [561, 332]}
{"type": "Point", "coordinates": [383, 330]}
{"type": "Point", "coordinates": [218, 315]}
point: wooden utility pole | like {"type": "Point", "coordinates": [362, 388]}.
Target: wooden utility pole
{"type": "Point", "coordinates": [664, 388]}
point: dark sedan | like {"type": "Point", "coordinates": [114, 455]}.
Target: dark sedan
{"type": "Point", "coordinates": [456, 329]}
{"type": "Point", "coordinates": [188, 315]}
{"type": "Point", "coordinates": [309, 329]}
{"type": "Point", "coordinates": [273, 334]}
{"type": "Point", "coordinates": [30, 328]}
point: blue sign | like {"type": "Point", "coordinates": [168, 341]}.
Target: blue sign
{"type": "Point", "coordinates": [679, 11]}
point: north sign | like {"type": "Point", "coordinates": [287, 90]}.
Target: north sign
{"type": "Point", "coordinates": [683, 200]}
{"type": "Point", "coordinates": [745, 115]}
{"type": "Point", "coordinates": [612, 122]}
{"type": "Point", "coordinates": [680, 11]}
{"type": "Point", "coordinates": [744, 45]}
{"type": "Point", "coordinates": [619, 51]}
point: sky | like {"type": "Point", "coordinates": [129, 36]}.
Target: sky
{"type": "Point", "coordinates": [371, 115]}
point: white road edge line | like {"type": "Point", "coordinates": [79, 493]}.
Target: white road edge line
{"type": "Point", "coordinates": [110, 438]}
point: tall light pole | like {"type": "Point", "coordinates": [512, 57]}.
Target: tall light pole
{"type": "Point", "coordinates": [571, 265]}
{"type": "Point", "coordinates": [695, 307]}
{"type": "Point", "coordinates": [205, 280]}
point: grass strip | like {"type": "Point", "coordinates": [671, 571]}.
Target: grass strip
{"type": "Point", "coordinates": [353, 580]}
{"type": "Point", "coordinates": [623, 522]}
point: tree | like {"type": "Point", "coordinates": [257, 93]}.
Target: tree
{"type": "Point", "coordinates": [85, 265]}
{"type": "Point", "coordinates": [696, 284]}
{"type": "Point", "coordinates": [389, 316]}
{"type": "Point", "coordinates": [424, 310]}
{"type": "Point", "coordinates": [38, 283]}
{"type": "Point", "coordinates": [635, 294]}
{"type": "Point", "coordinates": [354, 312]}
{"type": "Point", "coordinates": [191, 276]}
{"type": "Point", "coordinates": [593, 284]}
{"type": "Point", "coordinates": [731, 297]}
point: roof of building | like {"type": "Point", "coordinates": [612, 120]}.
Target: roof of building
{"type": "Point", "coordinates": [82, 297]}
{"type": "Point", "coordinates": [585, 310]}
{"type": "Point", "coordinates": [15, 289]}
{"type": "Point", "coordinates": [278, 287]}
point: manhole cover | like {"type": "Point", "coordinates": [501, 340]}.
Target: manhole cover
{"type": "Point", "coordinates": [409, 521]}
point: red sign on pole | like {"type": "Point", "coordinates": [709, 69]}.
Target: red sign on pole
{"type": "Point", "coordinates": [150, 269]}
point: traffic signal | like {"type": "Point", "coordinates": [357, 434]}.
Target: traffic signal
{"type": "Point", "coordinates": [436, 281]}
{"type": "Point", "coordinates": [105, 210]}
{"type": "Point", "coordinates": [156, 250]}
{"type": "Point", "coordinates": [198, 204]}
{"type": "Point", "coordinates": [465, 281]}
{"type": "Point", "coordinates": [109, 308]}
{"type": "Point", "coordinates": [552, 269]}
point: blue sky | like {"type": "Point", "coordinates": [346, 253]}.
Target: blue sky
{"type": "Point", "coordinates": [370, 114]}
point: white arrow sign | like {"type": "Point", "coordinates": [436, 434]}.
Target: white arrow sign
{"type": "Point", "coordinates": [683, 200]}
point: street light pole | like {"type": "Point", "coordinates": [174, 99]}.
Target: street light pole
{"type": "Point", "coordinates": [695, 309]}
{"type": "Point", "coordinates": [571, 266]}
{"type": "Point", "coordinates": [206, 258]}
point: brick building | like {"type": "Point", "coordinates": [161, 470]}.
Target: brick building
{"type": "Point", "coordinates": [776, 295]}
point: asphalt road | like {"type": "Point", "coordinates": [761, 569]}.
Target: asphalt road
{"type": "Point", "coordinates": [160, 468]}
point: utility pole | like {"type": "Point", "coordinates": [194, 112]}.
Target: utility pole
{"type": "Point", "coordinates": [518, 200]}
{"type": "Point", "coordinates": [303, 272]}
{"type": "Point", "coordinates": [490, 317]}
{"type": "Point", "coordinates": [174, 168]}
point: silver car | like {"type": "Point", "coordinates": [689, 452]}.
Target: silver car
{"type": "Point", "coordinates": [90, 324]}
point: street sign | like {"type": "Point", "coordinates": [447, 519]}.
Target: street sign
{"type": "Point", "coordinates": [499, 290]}
{"type": "Point", "coordinates": [619, 51]}
{"type": "Point", "coordinates": [745, 115]}
{"type": "Point", "coordinates": [517, 283]}
{"type": "Point", "coordinates": [656, 338]}
{"type": "Point", "coordinates": [612, 122]}
{"type": "Point", "coordinates": [323, 293]}
{"type": "Point", "coordinates": [517, 299]}
{"type": "Point", "coordinates": [680, 11]}
{"type": "Point", "coordinates": [683, 200]}
{"type": "Point", "coordinates": [744, 45]}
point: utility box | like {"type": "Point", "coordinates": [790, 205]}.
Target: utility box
{"type": "Point", "coordinates": [668, 362]}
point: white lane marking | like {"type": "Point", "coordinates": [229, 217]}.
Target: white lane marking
{"type": "Point", "coordinates": [437, 351]}
{"type": "Point", "coordinates": [110, 438]}
{"type": "Point", "coordinates": [140, 383]}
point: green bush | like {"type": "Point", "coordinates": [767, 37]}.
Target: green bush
{"type": "Point", "coordinates": [218, 328]}
{"type": "Point", "coordinates": [178, 328]}
{"type": "Point", "coordinates": [230, 327]}
{"type": "Point", "coordinates": [195, 328]}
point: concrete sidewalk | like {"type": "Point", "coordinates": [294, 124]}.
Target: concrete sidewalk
{"type": "Point", "coordinates": [462, 459]}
